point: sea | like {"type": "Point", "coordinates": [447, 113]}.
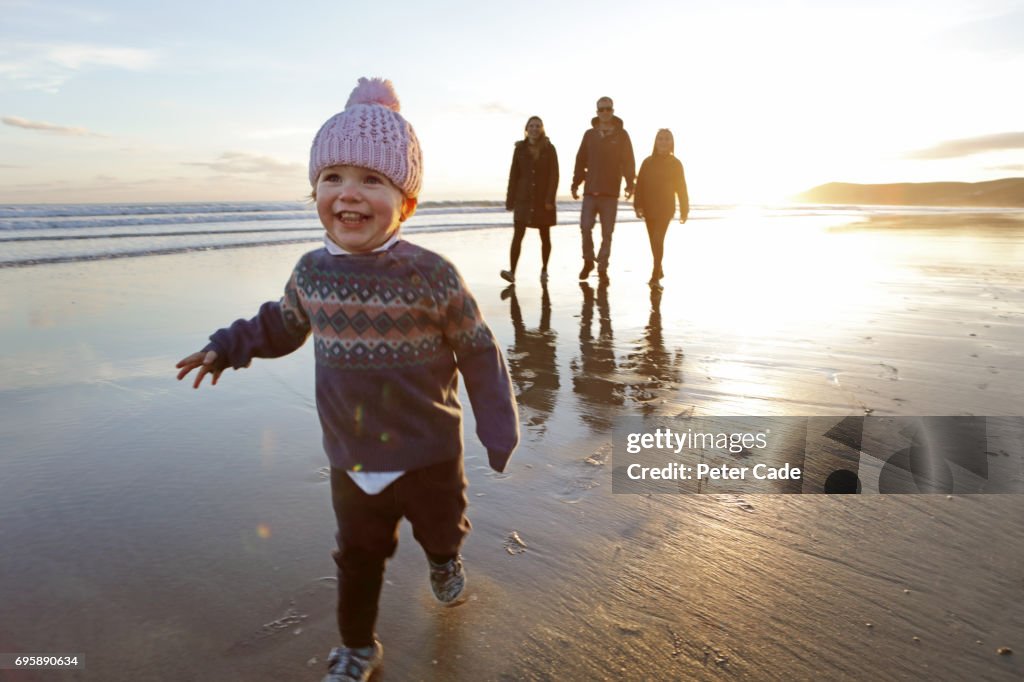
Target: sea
{"type": "Point", "coordinates": [57, 233]}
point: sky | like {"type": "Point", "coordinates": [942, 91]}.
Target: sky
{"type": "Point", "coordinates": [138, 101]}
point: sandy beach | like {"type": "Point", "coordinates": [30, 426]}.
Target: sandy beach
{"type": "Point", "coordinates": [165, 533]}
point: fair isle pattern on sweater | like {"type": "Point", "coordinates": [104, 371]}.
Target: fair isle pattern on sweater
{"type": "Point", "coordinates": [382, 319]}
{"type": "Point", "coordinates": [393, 330]}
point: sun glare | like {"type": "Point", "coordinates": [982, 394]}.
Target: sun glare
{"type": "Point", "coordinates": [769, 278]}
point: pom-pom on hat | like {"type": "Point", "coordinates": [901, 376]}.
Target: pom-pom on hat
{"type": "Point", "coordinates": [372, 134]}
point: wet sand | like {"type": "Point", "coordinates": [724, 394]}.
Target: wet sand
{"type": "Point", "coordinates": [168, 533]}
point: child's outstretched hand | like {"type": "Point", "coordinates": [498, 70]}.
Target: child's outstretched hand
{"type": "Point", "coordinates": [207, 364]}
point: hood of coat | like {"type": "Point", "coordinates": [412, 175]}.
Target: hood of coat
{"type": "Point", "coordinates": [616, 122]}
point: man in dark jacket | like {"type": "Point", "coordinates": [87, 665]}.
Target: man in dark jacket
{"type": "Point", "coordinates": [604, 158]}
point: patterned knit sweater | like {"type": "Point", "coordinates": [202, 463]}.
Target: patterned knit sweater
{"type": "Point", "coordinates": [390, 329]}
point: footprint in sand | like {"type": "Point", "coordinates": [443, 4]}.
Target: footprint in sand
{"type": "Point", "coordinates": [736, 501]}
{"type": "Point", "coordinates": [641, 393]}
{"type": "Point", "coordinates": [599, 457]}
{"type": "Point", "coordinates": [586, 479]}
{"type": "Point", "coordinates": [677, 643]}
{"type": "Point", "coordinates": [889, 372]}
{"type": "Point", "coordinates": [514, 544]}
{"type": "Point", "coordinates": [312, 602]}
{"type": "Point", "coordinates": [577, 489]}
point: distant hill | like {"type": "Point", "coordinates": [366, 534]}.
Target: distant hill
{"type": "Point", "coordinates": [1003, 193]}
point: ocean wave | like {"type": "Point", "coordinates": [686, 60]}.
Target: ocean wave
{"type": "Point", "coordinates": [105, 231]}
{"type": "Point", "coordinates": [103, 251]}
{"type": "Point", "coordinates": [129, 235]}
{"type": "Point", "coordinates": [185, 248]}
{"type": "Point", "coordinates": [78, 216]}
{"type": "Point", "coordinates": [112, 221]}
{"type": "Point", "coordinates": [100, 210]}
{"type": "Point", "coordinates": [38, 214]}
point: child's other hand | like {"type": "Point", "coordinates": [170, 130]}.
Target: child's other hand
{"type": "Point", "coordinates": [206, 362]}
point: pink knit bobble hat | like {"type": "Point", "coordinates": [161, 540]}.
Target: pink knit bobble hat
{"type": "Point", "coordinates": [370, 133]}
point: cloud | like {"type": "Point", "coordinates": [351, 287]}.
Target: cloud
{"type": "Point", "coordinates": [165, 187]}
{"type": "Point", "coordinates": [45, 127]}
{"type": "Point", "coordinates": [244, 163]}
{"type": "Point", "coordinates": [47, 67]}
{"type": "Point", "coordinates": [96, 182]}
{"type": "Point", "coordinates": [1015, 167]}
{"type": "Point", "coordinates": [78, 56]}
{"type": "Point", "coordinates": [497, 108]}
{"type": "Point", "coordinates": [476, 108]}
{"type": "Point", "coordinates": [971, 145]}
{"type": "Point", "coordinates": [273, 133]}
{"type": "Point", "coordinates": [999, 33]}
{"type": "Point", "coordinates": [34, 13]}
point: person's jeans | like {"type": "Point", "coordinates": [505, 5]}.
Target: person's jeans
{"type": "Point", "coordinates": [593, 207]}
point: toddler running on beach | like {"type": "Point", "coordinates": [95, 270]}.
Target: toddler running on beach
{"type": "Point", "coordinates": [391, 324]}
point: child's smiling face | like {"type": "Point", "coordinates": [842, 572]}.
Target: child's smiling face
{"type": "Point", "coordinates": [360, 208]}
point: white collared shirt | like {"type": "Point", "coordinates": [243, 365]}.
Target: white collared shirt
{"type": "Point", "coordinates": [335, 250]}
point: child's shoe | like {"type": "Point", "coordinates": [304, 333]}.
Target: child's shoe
{"type": "Point", "coordinates": [353, 665]}
{"type": "Point", "coordinates": [508, 276]}
{"type": "Point", "coordinates": [448, 580]}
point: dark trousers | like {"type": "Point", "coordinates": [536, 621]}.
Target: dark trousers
{"type": "Point", "coordinates": [656, 229]}
{"type": "Point", "coordinates": [517, 245]}
{"type": "Point", "coordinates": [432, 498]}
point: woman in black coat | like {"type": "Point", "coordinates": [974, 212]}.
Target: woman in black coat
{"type": "Point", "coordinates": [660, 181]}
{"type": "Point", "coordinates": [532, 182]}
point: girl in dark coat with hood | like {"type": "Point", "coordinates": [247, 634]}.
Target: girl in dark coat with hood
{"type": "Point", "coordinates": [660, 181]}
{"type": "Point", "coordinates": [532, 182]}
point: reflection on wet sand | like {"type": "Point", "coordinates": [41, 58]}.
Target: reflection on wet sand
{"type": "Point", "coordinates": [594, 371]}
{"type": "Point", "coordinates": [657, 369]}
{"type": "Point", "coordinates": [644, 376]}
{"type": "Point", "coordinates": [532, 362]}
